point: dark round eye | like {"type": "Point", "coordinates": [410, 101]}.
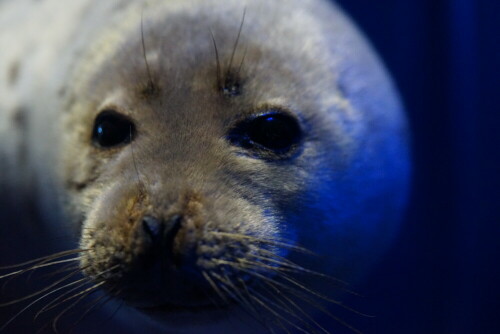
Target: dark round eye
{"type": "Point", "coordinates": [274, 131]}
{"type": "Point", "coordinates": [112, 129]}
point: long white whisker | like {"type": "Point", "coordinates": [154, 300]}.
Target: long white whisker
{"type": "Point", "coordinates": [22, 271]}
{"type": "Point", "coordinates": [45, 258]}
{"type": "Point", "coordinates": [39, 299]}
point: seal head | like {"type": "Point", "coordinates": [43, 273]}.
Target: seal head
{"type": "Point", "coordinates": [206, 154]}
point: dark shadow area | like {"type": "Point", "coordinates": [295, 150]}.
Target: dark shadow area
{"type": "Point", "coordinates": [442, 274]}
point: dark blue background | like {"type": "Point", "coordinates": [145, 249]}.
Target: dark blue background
{"type": "Point", "coordinates": [442, 275]}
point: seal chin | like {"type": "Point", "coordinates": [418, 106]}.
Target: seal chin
{"type": "Point", "coordinates": [162, 290]}
{"type": "Point", "coordinates": [173, 308]}
{"type": "Point", "coordinates": [180, 295]}
{"type": "Point", "coordinates": [181, 317]}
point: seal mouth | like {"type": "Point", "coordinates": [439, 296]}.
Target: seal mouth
{"type": "Point", "coordinates": [183, 308]}
{"type": "Point", "coordinates": [180, 316]}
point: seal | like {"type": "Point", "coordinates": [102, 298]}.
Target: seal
{"type": "Point", "coordinates": [200, 151]}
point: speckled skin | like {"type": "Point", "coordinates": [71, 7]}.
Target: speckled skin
{"type": "Point", "coordinates": [340, 195]}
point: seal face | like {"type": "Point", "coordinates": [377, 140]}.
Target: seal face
{"type": "Point", "coordinates": [207, 148]}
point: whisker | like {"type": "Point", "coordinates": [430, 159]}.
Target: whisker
{"type": "Point", "coordinates": [281, 242]}
{"type": "Point", "coordinates": [55, 304]}
{"type": "Point", "coordinates": [209, 295]}
{"type": "Point", "coordinates": [291, 289]}
{"type": "Point", "coordinates": [282, 326]}
{"type": "Point", "coordinates": [42, 290]}
{"type": "Point", "coordinates": [41, 329]}
{"type": "Point", "coordinates": [286, 277]}
{"type": "Point", "coordinates": [229, 293]}
{"type": "Point", "coordinates": [113, 313]}
{"type": "Point", "coordinates": [325, 311]}
{"type": "Point", "coordinates": [60, 271]}
{"type": "Point", "coordinates": [227, 281]}
{"type": "Point", "coordinates": [277, 315]}
{"type": "Point", "coordinates": [246, 303]}
{"type": "Point", "coordinates": [250, 310]}
{"type": "Point", "coordinates": [294, 269]}
{"type": "Point", "coordinates": [39, 299]}
{"type": "Point", "coordinates": [32, 271]}
{"type": "Point", "coordinates": [48, 257]}
{"type": "Point", "coordinates": [287, 263]}
{"type": "Point", "coordinates": [56, 319]}
{"type": "Point", "coordinates": [283, 307]}
{"type": "Point", "coordinates": [141, 187]}
{"type": "Point", "coordinates": [261, 265]}
{"type": "Point", "coordinates": [19, 272]}
{"type": "Point", "coordinates": [236, 294]}
{"type": "Point", "coordinates": [241, 263]}
{"type": "Point", "coordinates": [262, 320]}
{"type": "Point", "coordinates": [150, 78]}
{"type": "Point", "coordinates": [236, 43]}
{"type": "Point", "coordinates": [214, 286]}
{"type": "Point", "coordinates": [297, 307]}
{"type": "Point", "coordinates": [241, 63]}
{"type": "Point", "coordinates": [14, 275]}
{"type": "Point", "coordinates": [297, 284]}
{"type": "Point", "coordinates": [85, 293]}
{"type": "Point", "coordinates": [269, 254]}
{"type": "Point", "coordinates": [247, 292]}
{"type": "Point", "coordinates": [282, 261]}
{"type": "Point", "coordinates": [219, 81]}
{"type": "Point", "coordinates": [55, 300]}
{"type": "Point", "coordinates": [301, 296]}
{"type": "Point", "coordinates": [89, 309]}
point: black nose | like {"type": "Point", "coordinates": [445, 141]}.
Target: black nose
{"type": "Point", "coordinates": [158, 229]}
{"type": "Point", "coordinates": [153, 227]}
{"type": "Point", "coordinates": [161, 233]}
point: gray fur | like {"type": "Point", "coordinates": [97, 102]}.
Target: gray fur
{"type": "Point", "coordinates": [58, 71]}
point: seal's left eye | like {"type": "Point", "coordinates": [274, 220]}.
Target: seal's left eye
{"type": "Point", "coordinates": [274, 131]}
{"type": "Point", "coordinates": [112, 129]}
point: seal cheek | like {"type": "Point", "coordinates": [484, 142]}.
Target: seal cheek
{"type": "Point", "coordinates": [110, 231]}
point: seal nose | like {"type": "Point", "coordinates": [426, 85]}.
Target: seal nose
{"type": "Point", "coordinates": [152, 226]}
{"type": "Point", "coordinates": [161, 233]}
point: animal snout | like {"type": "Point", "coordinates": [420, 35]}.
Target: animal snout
{"type": "Point", "coordinates": [160, 235]}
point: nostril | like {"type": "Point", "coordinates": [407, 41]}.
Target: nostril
{"type": "Point", "coordinates": [153, 227]}
{"type": "Point", "coordinates": [172, 227]}
{"type": "Point", "coordinates": [160, 236]}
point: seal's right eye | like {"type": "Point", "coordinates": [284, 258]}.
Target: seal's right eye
{"type": "Point", "coordinates": [112, 129]}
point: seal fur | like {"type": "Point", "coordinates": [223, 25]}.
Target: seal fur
{"type": "Point", "coordinates": [165, 65]}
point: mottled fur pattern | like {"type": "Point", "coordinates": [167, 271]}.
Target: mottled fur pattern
{"type": "Point", "coordinates": [186, 73]}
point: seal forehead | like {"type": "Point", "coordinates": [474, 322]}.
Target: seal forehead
{"type": "Point", "coordinates": [177, 39]}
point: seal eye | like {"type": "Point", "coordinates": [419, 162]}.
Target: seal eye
{"type": "Point", "coordinates": [274, 131]}
{"type": "Point", "coordinates": [112, 129]}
